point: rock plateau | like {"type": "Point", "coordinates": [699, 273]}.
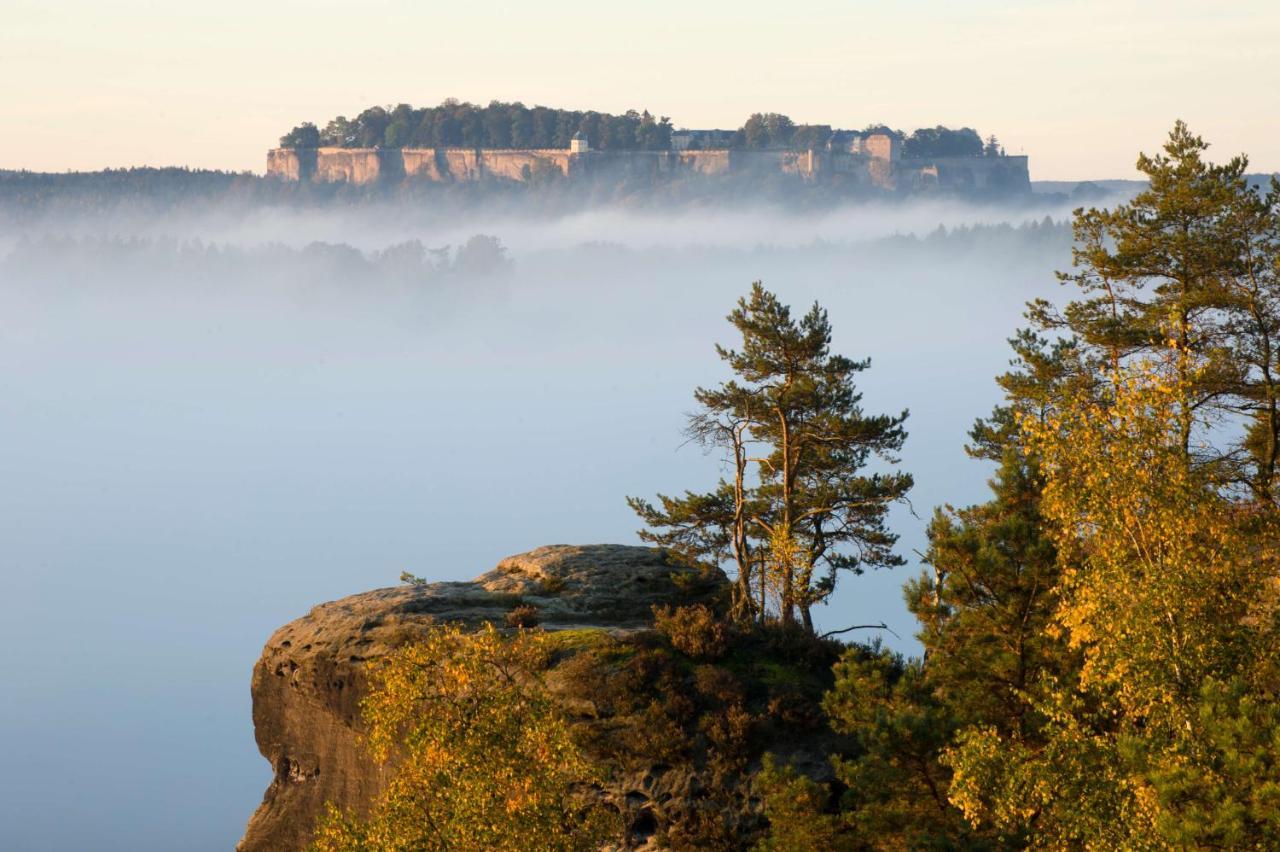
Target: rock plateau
{"type": "Point", "coordinates": [308, 684]}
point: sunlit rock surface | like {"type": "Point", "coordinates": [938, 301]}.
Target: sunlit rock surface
{"type": "Point", "coordinates": [309, 681]}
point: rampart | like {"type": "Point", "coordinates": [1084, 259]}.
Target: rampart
{"type": "Point", "coordinates": [883, 169]}
{"type": "Point", "coordinates": [1007, 175]}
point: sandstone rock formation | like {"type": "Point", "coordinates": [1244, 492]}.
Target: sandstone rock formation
{"type": "Point", "coordinates": [309, 681]}
{"type": "Point", "coordinates": [871, 166]}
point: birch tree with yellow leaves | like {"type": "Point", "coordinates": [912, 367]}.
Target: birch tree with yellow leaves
{"type": "Point", "coordinates": [1168, 735]}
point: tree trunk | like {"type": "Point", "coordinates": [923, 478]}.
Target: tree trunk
{"type": "Point", "coordinates": [741, 550]}
{"type": "Point", "coordinates": [788, 598]}
{"type": "Point", "coordinates": [788, 568]}
{"type": "Point", "coordinates": [764, 601]}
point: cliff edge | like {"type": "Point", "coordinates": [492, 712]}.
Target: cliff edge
{"type": "Point", "coordinates": [308, 684]}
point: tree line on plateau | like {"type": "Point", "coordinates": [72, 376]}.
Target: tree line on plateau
{"type": "Point", "coordinates": [459, 124]}
{"type": "Point", "coordinates": [1100, 666]}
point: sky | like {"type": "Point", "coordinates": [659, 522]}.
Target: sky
{"type": "Point", "coordinates": [1079, 85]}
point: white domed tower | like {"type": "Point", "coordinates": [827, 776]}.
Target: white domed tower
{"type": "Point", "coordinates": [579, 144]}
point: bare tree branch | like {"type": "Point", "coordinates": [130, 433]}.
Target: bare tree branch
{"type": "Point", "coordinates": [880, 626]}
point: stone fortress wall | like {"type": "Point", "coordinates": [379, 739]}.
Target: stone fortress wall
{"type": "Point", "coordinates": [874, 161]}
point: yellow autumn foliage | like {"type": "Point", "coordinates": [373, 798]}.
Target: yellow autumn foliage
{"type": "Point", "coordinates": [1168, 594]}
{"type": "Point", "coordinates": [1163, 573]}
{"type": "Point", "coordinates": [479, 755]}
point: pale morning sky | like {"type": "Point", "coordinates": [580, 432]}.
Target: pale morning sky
{"type": "Point", "coordinates": [1080, 85]}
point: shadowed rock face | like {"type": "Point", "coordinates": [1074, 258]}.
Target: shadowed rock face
{"type": "Point", "coordinates": [308, 684]}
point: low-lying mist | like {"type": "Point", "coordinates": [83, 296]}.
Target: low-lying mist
{"type": "Point", "coordinates": [523, 224]}
{"type": "Point", "coordinates": [212, 420]}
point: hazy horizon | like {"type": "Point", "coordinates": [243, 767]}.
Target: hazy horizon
{"type": "Point", "coordinates": [135, 84]}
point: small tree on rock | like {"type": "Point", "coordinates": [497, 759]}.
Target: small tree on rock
{"type": "Point", "coordinates": [800, 507]}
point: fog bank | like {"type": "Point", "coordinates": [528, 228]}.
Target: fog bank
{"type": "Point", "coordinates": [211, 421]}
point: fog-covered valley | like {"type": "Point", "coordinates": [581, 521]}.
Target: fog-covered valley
{"type": "Point", "coordinates": [211, 420]}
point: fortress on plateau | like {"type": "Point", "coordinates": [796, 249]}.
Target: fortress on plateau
{"type": "Point", "coordinates": [874, 161]}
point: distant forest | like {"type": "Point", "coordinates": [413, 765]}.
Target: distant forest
{"type": "Point", "coordinates": [60, 260]}
{"type": "Point", "coordinates": [24, 195]}
{"type": "Point", "coordinates": [458, 124]}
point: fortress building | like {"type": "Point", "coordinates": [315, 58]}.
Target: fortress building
{"type": "Point", "coordinates": [873, 161]}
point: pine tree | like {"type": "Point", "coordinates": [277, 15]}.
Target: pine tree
{"type": "Point", "coordinates": [1190, 262]}
{"type": "Point", "coordinates": [799, 509]}
{"type": "Point", "coordinates": [984, 610]}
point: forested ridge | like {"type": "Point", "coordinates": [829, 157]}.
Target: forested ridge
{"type": "Point", "coordinates": [1100, 637]}
{"type": "Point", "coordinates": [460, 124]}
{"type": "Point", "coordinates": [26, 194]}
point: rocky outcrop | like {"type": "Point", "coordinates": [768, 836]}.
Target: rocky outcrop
{"type": "Point", "coordinates": [308, 684]}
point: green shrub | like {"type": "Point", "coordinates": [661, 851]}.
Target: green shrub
{"type": "Point", "coordinates": [718, 685]}
{"type": "Point", "coordinates": [728, 736]}
{"type": "Point", "coordinates": [797, 808]}
{"type": "Point", "coordinates": [523, 615]}
{"type": "Point", "coordinates": [791, 707]}
{"type": "Point", "coordinates": [695, 631]}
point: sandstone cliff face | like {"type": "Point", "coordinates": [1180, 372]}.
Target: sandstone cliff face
{"type": "Point", "coordinates": [308, 684]}
{"type": "Point", "coordinates": [877, 166]}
